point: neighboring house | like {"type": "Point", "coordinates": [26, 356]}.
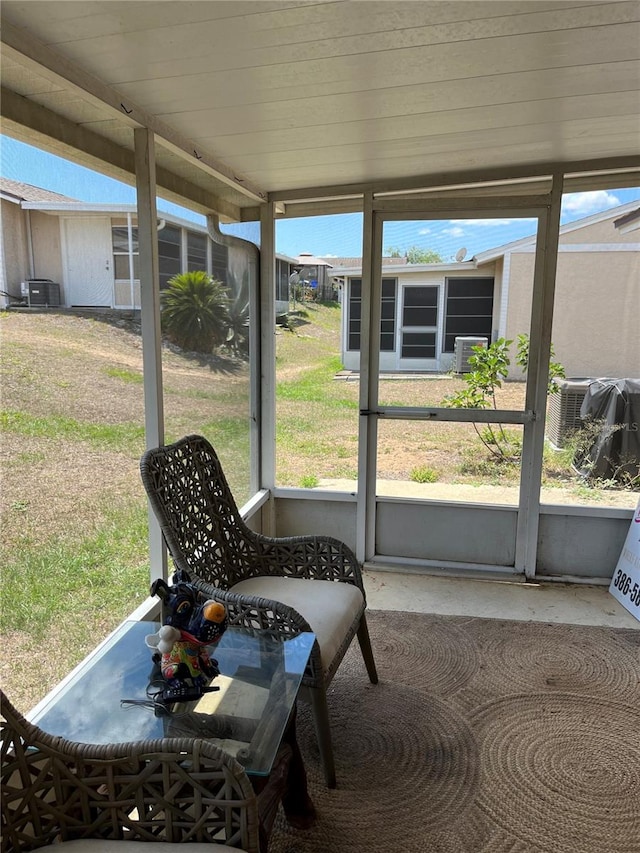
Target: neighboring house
{"type": "Point", "coordinates": [425, 307]}
{"type": "Point", "coordinates": [314, 273]}
{"type": "Point", "coordinates": [90, 251]}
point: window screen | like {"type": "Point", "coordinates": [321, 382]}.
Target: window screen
{"type": "Point", "coordinates": [469, 309]}
{"type": "Point", "coordinates": [387, 320]}
{"type": "Point", "coordinates": [282, 280]}
{"type": "Point", "coordinates": [220, 262]}
{"type": "Point", "coordinates": [196, 251]}
{"type": "Point", "coordinates": [168, 254]}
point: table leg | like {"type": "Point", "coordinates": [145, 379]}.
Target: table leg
{"type": "Point", "coordinates": [296, 802]}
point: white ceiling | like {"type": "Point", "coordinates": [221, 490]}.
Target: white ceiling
{"type": "Point", "coordinates": [251, 100]}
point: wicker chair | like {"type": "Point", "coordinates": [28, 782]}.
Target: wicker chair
{"type": "Point", "coordinates": [284, 586]}
{"type": "Point", "coordinates": [93, 797]}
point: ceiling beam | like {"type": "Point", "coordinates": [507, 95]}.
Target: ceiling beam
{"type": "Point", "coordinates": [34, 124]}
{"type": "Point", "coordinates": [21, 46]}
{"type": "Point", "coordinates": [579, 172]}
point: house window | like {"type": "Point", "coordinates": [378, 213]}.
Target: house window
{"type": "Point", "coordinates": [121, 257]}
{"type": "Point", "coordinates": [196, 251]}
{"type": "Point", "coordinates": [420, 306]}
{"type": "Point", "coordinates": [169, 260]}
{"type": "Point", "coordinates": [469, 309]}
{"type": "Point", "coordinates": [387, 318]}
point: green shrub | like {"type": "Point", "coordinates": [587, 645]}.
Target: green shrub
{"type": "Point", "coordinates": [309, 481]}
{"type": "Point", "coordinates": [423, 474]}
{"type": "Point", "coordinates": [195, 311]}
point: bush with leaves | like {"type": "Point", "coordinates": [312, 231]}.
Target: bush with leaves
{"type": "Point", "coordinates": [490, 367]}
{"type": "Point", "coordinates": [195, 311]}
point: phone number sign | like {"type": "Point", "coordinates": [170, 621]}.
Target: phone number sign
{"type": "Point", "coordinates": [625, 583]}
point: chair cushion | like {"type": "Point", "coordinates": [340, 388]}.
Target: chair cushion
{"type": "Point", "coordinates": [330, 607]}
{"type": "Point", "coordinates": [102, 845]}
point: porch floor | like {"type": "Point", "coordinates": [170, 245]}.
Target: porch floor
{"type": "Point", "coordinates": [576, 604]}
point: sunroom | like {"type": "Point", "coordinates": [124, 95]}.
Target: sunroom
{"type": "Point", "coordinates": [252, 113]}
{"type": "Point", "coordinates": [88, 106]}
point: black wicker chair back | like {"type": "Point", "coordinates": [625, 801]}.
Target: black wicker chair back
{"type": "Point", "coordinates": [200, 520]}
{"type": "Point", "coordinates": [207, 537]}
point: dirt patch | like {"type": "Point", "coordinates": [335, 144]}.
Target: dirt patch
{"type": "Point", "coordinates": [57, 486]}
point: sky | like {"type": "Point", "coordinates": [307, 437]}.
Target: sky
{"type": "Point", "coordinates": [323, 236]}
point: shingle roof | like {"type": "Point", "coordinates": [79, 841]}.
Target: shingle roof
{"type": "Point", "coordinates": [27, 192]}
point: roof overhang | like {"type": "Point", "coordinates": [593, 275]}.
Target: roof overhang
{"type": "Point", "coordinates": [455, 97]}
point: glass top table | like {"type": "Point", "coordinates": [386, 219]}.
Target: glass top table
{"type": "Point", "coordinates": [106, 699]}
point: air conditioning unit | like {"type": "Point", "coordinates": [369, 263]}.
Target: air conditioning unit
{"type": "Point", "coordinates": [463, 351]}
{"type": "Point", "coordinates": [563, 416]}
{"type": "Point", "coordinates": [41, 292]}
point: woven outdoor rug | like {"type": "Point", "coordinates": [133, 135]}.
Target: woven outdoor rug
{"type": "Point", "coordinates": [482, 735]}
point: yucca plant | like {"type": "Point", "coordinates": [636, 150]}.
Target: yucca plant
{"type": "Point", "coordinates": [195, 311]}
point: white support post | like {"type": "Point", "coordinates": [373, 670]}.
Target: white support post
{"type": "Point", "coordinates": [267, 359]}
{"type": "Point", "coordinates": [369, 365]}
{"type": "Point", "coordinates": [538, 373]}
{"type": "Point", "coordinates": [150, 320]}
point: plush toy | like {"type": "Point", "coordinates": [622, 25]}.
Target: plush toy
{"type": "Point", "coordinates": [180, 646]}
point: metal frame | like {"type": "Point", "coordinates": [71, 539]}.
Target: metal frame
{"type": "Point", "coordinates": [546, 209]}
{"type": "Point", "coordinates": [150, 321]}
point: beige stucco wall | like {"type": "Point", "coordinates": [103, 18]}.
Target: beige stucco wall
{"type": "Point", "coordinates": [47, 252]}
{"type": "Point", "coordinates": [597, 313]}
{"type": "Point", "coordinates": [596, 310]}
{"type": "Point", "coordinates": [15, 259]}
{"type": "Point", "coordinates": [599, 232]}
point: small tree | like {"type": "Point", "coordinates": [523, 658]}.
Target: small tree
{"type": "Point", "coordinates": [556, 370]}
{"type": "Point", "coordinates": [490, 367]}
{"type": "Point", "coordinates": [416, 255]}
{"type": "Point", "coordinates": [195, 311]}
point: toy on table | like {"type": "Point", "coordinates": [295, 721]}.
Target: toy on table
{"type": "Point", "coordinates": [180, 646]}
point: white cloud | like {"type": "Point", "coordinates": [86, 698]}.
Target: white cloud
{"type": "Point", "coordinates": [424, 231]}
{"type": "Point", "coordinates": [454, 232]}
{"type": "Point", "coordinates": [591, 202]}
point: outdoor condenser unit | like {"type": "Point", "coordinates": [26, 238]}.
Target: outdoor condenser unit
{"type": "Point", "coordinates": [41, 292]}
{"type": "Point", "coordinates": [563, 417]}
{"type": "Point", "coordinates": [463, 351]}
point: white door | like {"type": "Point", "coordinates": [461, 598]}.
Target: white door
{"type": "Point", "coordinates": [88, 257]}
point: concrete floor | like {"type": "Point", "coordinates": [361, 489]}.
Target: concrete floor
{"type": "Point", "coordinates": [576, 604]}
